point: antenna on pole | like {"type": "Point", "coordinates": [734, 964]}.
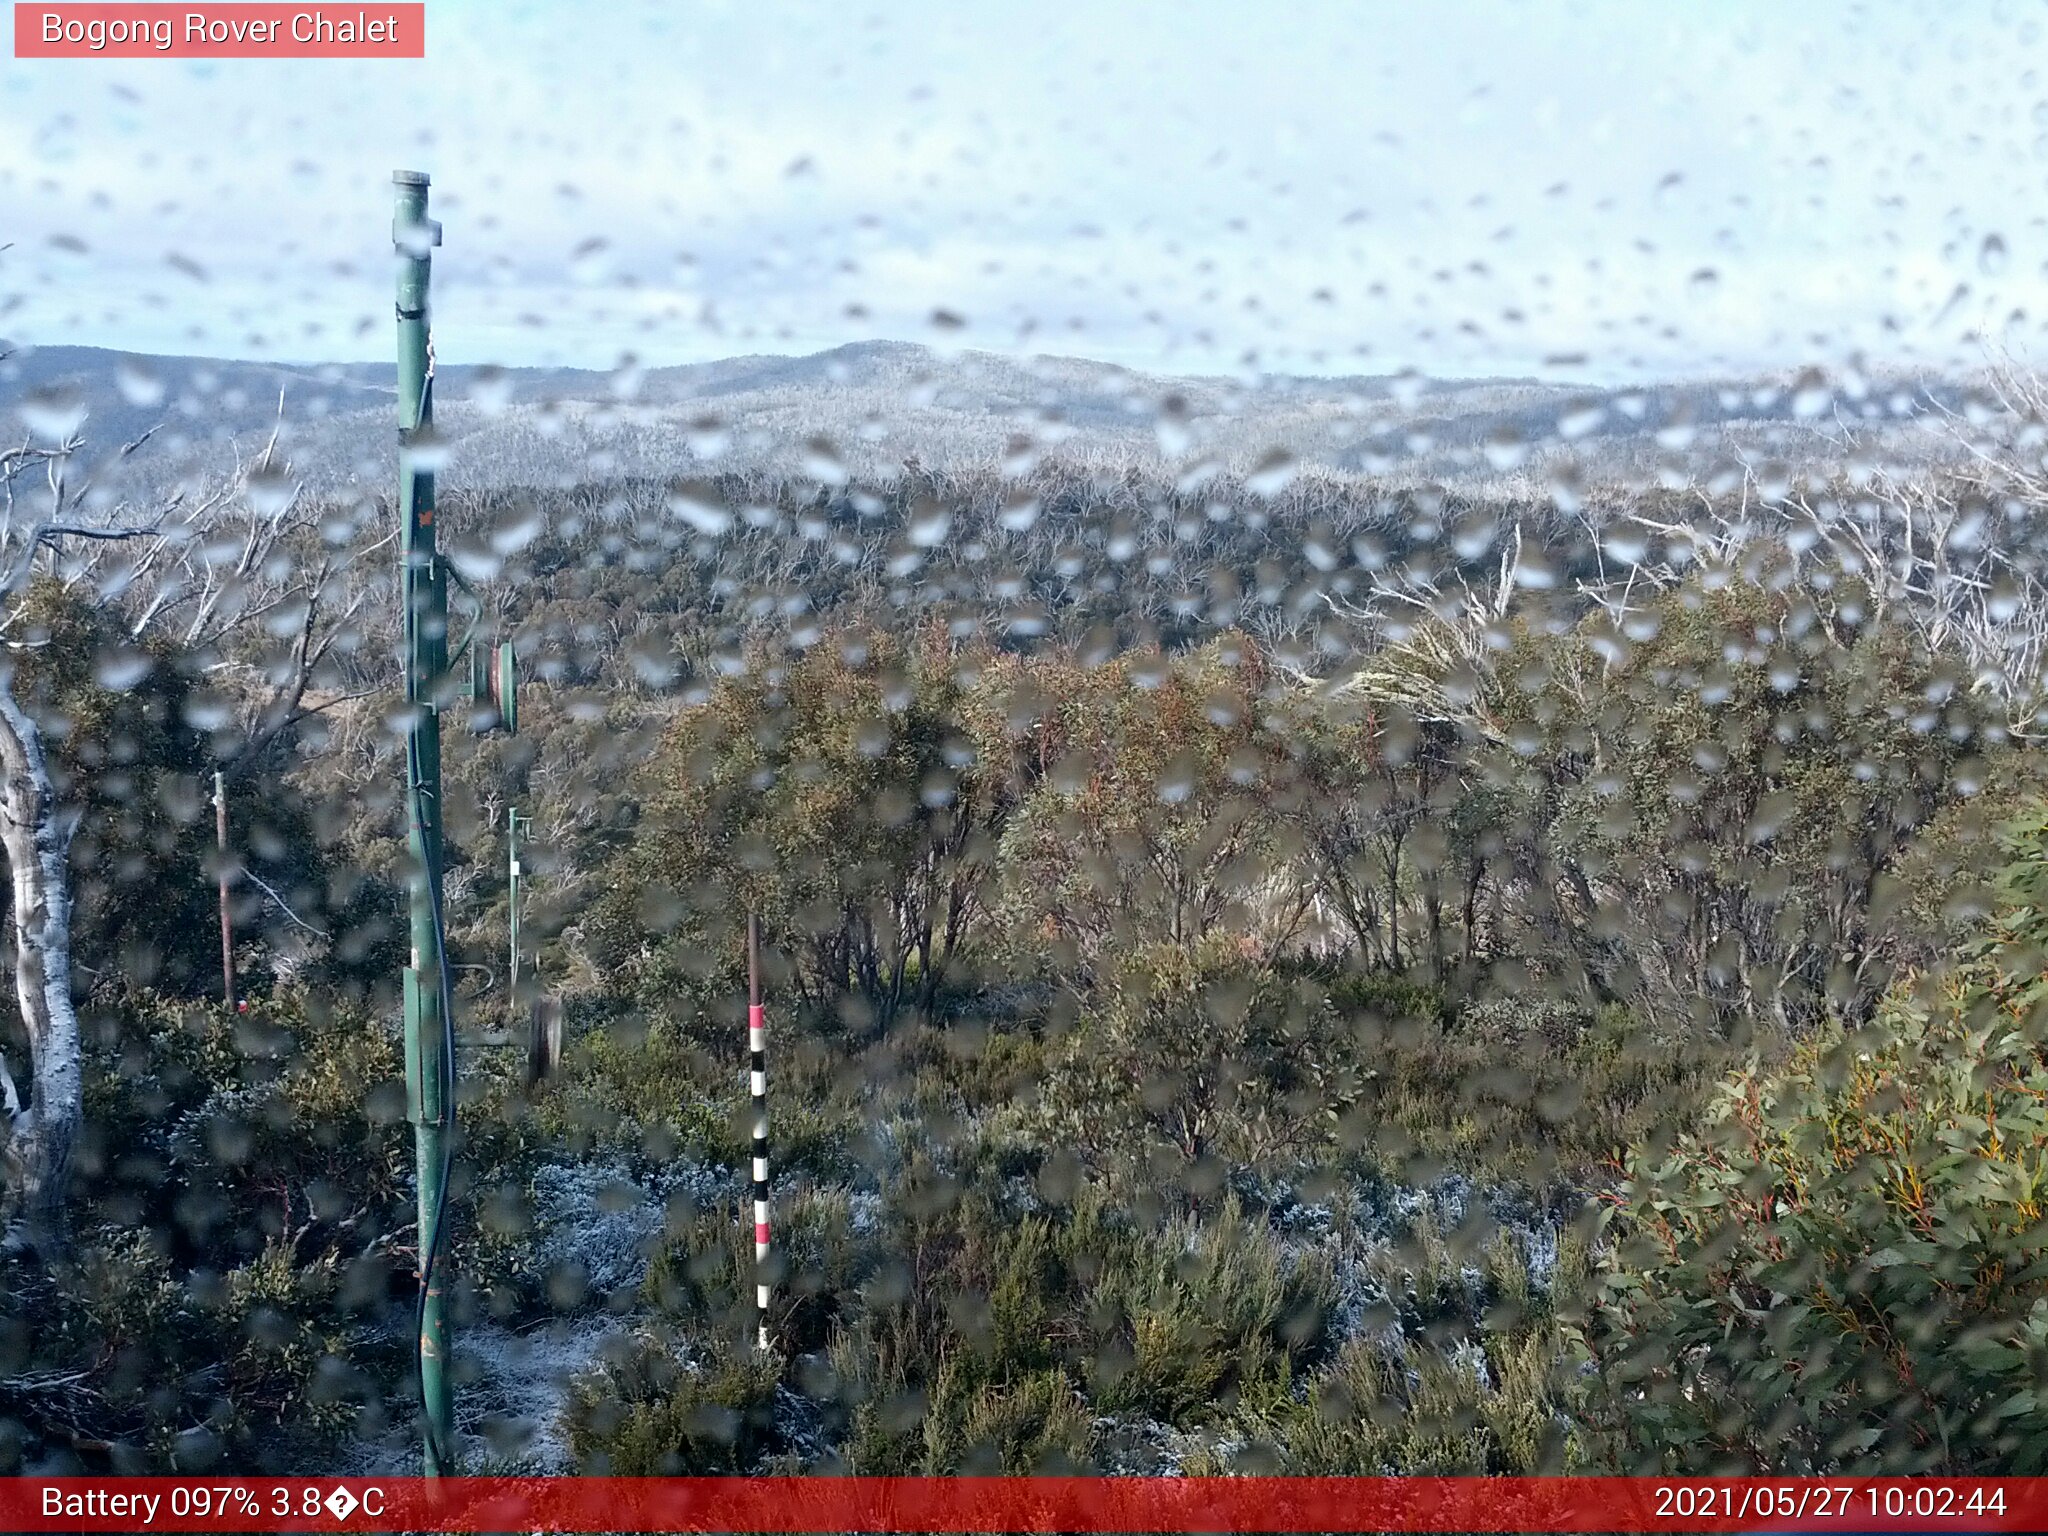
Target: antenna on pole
{"type": "Point", "coordinates": [757, 1061]}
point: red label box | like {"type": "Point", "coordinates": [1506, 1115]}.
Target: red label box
{"type": "Point", "coordinates": [370, 30]}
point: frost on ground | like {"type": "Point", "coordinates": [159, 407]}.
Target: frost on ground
{"type": "Point", "coordinates": [1403, 1253]}
{"type": "Point", "coordinates": [602, 1222]}
{"type": "Point", "coordinates": [596, 1224]}
{"type": "Point", "coordinates": [1408, 1258]}
{"type": "Point", "coordinates": [510, 1387]}
{"type": "Point", "coordinates": [1131, 1446]}
{"type": "Point", "coordinates": [513, 1387]}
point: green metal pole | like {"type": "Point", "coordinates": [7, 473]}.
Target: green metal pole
{"type": "Point", "coordinates": [429, 1057]}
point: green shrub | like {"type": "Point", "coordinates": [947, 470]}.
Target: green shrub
{"type": "Point", "coordinates": [1206, 1317]}
{"type": "Point", "coordinates": [212, 1129]}
{"type": "Point", "coordinates": [1846, 1269]}
{"type": "Point", "coordinates": [1494, 1410]}
{"type": "Point", "coordinates": [1544, 1096]}
{"type": "Point", "coordinates": [1037, 1423]}
{"type": "Point", "coordinates": [1389, 997]}
{"type": "Point", "coordinates": [240, 1193]}
{"type": "Point", "coordinates": [649, 1414]}
{"type": "Point", "coordinates": [263, 1354]}
{"type": "Point", "coordinates": [1196, 1057]}
{"type": "Point", "coordinates": [704, 1270]}
{"type": "Point", "coordinates": [1527, 1024]}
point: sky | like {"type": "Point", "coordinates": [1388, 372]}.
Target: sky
{"type": "Point", "coordinates": [1602, 192]}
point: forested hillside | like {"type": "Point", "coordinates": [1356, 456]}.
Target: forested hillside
{"type": "Point", "coordinates": [1266, 970]}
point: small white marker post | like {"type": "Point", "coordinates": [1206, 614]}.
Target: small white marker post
{"type": "Point", "coordinates": [757, 1063]}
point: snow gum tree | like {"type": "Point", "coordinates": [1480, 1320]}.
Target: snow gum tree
{"type": "Point", "coordinates": [239, 582]}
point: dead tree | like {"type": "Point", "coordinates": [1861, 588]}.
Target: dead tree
{"type": "Point", "coordinates": [222, 567]}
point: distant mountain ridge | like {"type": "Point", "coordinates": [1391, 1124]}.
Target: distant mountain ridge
{"type": "Point", "coordinates": [869, 406]}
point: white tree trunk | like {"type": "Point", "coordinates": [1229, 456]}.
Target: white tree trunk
{"type": "Point", "coordinates": [175, 549]}
{"type": "Point", "coordinates": [35, 831]}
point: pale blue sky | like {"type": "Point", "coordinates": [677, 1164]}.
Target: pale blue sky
{"type": "Point", "coordinates": [1592, 191]}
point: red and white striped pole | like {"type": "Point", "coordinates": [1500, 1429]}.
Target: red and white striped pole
{"type": "Point", "coordinates": [757, 1061]}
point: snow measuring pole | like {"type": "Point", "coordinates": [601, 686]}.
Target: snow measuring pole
{"type": "Point", "coordinates": [429, 993]}
{"type": "Point", "coordinates": [757, 1082]}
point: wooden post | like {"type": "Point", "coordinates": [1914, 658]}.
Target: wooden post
{"type": "Point", "coordinates": [227, 920]}
{"type": "Point", "coordinates": [544, 1038]}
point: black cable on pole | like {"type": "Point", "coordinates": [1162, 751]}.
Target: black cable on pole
{"type": "Point", "coordinates": [430, 1246]}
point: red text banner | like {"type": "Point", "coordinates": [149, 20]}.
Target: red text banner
{"type": "Point", "coordinates": [229, 31]}
{"type": "Point", "coordinates": [862, 1504]}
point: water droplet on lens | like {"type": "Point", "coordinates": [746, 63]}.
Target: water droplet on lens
{"type": "Point", "coordinates": [1505, 448]}
{"type": "Point", "coordinates": [53, 414]}
{"type": "Point", "coordinates": [121, 668]}
{"type": "Point", "coordinates": [590, 262]}
{"type": "Point", "coordinates": [1020, 457]}
{"type": "Point", "coordinates": [1578, 420]}
{"type": "Point", "coordinates": [930, 522]}
{"type": "Point", "coordinates": [1171, 426]}
{"type": "Point", "coordinates": [490, 389]}
{"type": "Point", "coordinates": [707, 436]}
{"type": "Point", "coordinates": [1811, 394]}
{"type": "Point", "coordinates": [1019, 513]}
{"type": "Point", "coordinates": [428, 452]}
{"type": "Point", "coordinates": [1272, 474]}
{"type": "Point", "coordinates": [517, 529]}
{"type": "Point", "coordinates": [1626, 542]}
{"type": "Point", "coordinates": [269, 493]}
{"type": "Point", "coordinates": [1567, 486]}
{"type": "Point", "coordinates": [699, 506]}
{"type": "Point", "coordinates": [822, 462]}
{"type": "Point", "coordinates": [138, 385]}
{"type": "Point", "coordinates": [414, 238]}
